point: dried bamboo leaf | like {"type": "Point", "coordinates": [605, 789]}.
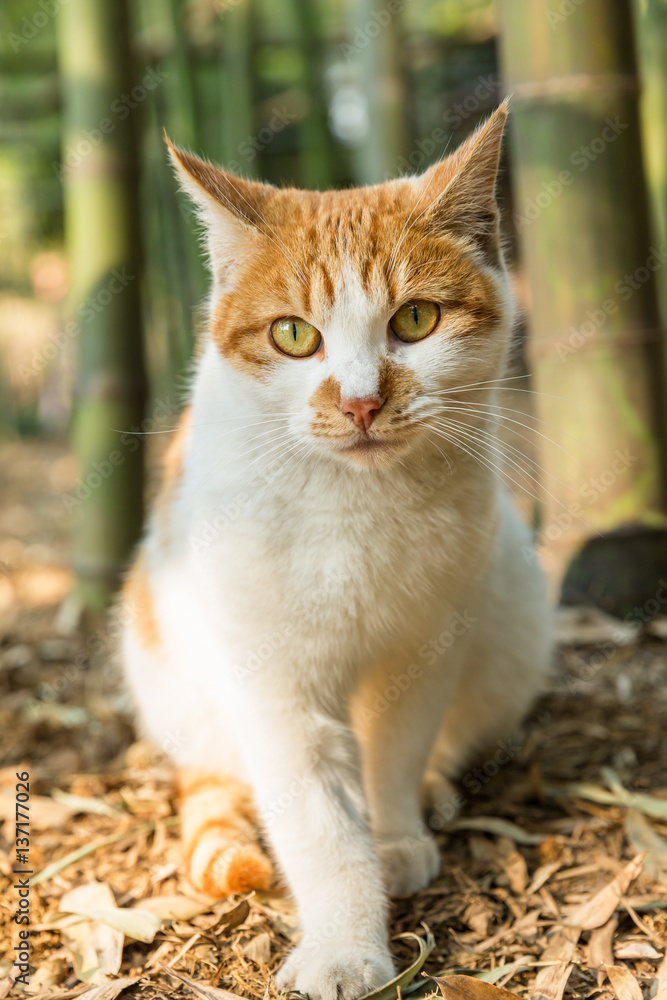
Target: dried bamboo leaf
{"type": "Point", "coordinates": [552, 984]}
{"type": "Point", "coordinates": [662, 976]}
{"type": "Point", "coordinates": [624, 984]}
{"type": "Point", "coordinates": [516, 870]}
{"type": "Point", "coordinates": [96, 948]}
{"type": "Point", "coordinates": [109, 991]}
{"type": "Point", "coordinates": [647, 804]}
{"type": "Point", "coordinates": [232, 918]}
{"type": "Point", "coordinates": [201, 989]}
{"type": "Point", "coordinates": [45, 814]}
{"type": "Point", "coordinates": [487, 975]}
{"type": "Point", "coordinates": [599, 909]}
{"type": "Point", "coordinates": [470, 988]}
{"type": "Point", "coordinates": [643, 837]}
{"type": "Point", "coordinates": [599, 952]}
{"type": "Point", "coordinates": [140, 925]}
{"type": "Point", "coordinates": [543, 874]}
{"type": "Point", "coordinates": [635, 950]}
{"type": "Point", "coordinates": [551, 980]}
{"type": "Point", "coordinates": [499, 827]}
{"type": "Point", "coordinates": [85, 804]}
{"type": "Point", "coordinates": [389, 990]}
{"type": "Point", "coordinates": [174, 907]}
{"type": "Point", "coordinates": [258, 949]}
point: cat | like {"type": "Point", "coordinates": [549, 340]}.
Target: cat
{"type": "Point", "coordinates": [333, 608]}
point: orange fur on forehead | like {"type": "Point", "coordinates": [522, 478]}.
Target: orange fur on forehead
{"type": "Point", "coordinates": [303, 272]}
{"type": "Point", "coordinates": [405, 238]}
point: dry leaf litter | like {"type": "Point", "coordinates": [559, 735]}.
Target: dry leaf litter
{"type": "Point", "coordinates": [554, 877]}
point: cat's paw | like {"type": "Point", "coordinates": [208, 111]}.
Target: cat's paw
{"type": "Point", "coordinates": [328, 972]}
{"type": "Point", "coordinates": [408, 863]}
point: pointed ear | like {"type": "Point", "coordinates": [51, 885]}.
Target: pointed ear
{"type": "Point", "coordinates": [230, 208]}
{"type": "Point", "coordinates": [467, 205]}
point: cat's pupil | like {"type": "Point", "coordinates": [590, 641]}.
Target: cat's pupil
{"type": "Point", "coordinates": [415, 314]}
{"type": "Point", "coordinates": [294, 333]}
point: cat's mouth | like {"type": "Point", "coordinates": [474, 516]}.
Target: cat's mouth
{"type": "Point", "coordinates": [367, 444]}
{"type": "Point", "coordinates": [369, 449]}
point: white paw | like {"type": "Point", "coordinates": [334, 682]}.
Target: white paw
{"type": "Point", "coordinates": [408, 863]}
{"type": "Point", "coordinates": [326, 972]}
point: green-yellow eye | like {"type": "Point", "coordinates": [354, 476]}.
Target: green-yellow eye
{"type": "Point", "coordinates": [295, 337]}
{"type": "Point", "coordinates": [415, 320]}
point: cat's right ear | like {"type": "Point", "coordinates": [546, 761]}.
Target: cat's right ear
{"type": "Point", "coordinates": [230, 208]}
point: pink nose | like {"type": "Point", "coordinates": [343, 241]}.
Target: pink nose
{"type": "Point", "coordinates": [362, 411]}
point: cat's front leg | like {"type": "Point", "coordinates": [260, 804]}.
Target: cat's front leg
{"type": "Point", "coordinates": [305, 770]}
{"type": "Point", "coordinates": [398, 721]}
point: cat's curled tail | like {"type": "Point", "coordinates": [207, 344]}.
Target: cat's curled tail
{"type": "Point", "coordinates": [219, 835]}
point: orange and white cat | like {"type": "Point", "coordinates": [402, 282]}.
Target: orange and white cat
{"type": "Point", "coordinates": [333, 610]}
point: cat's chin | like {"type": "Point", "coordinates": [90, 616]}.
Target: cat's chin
{"type": "Point", "coordinates": [370, 452]}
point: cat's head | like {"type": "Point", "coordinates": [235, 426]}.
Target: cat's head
{"type": "Point", "coordinates": [352, 313]}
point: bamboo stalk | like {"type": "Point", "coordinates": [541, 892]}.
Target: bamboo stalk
{"type": "Point", "coordinates": [582, 216]}
{"type": "Point", "coordinates": [236, 88]}
{"type": "Point", "coordinates": [384, 84]}
{"type": "Point", "coordinates": [177, 112]}
{"type": "Point", "coordinates": [317, 152]}
{"type": "Point", "coordinates": [103, 245]}
{"type": "Point", "coordinates": [651, 18]}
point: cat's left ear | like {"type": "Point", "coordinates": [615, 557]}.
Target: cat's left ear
{"type": "Point", "coordinates": [467, 203]}
{"type": "Point", "coordinates": [231, 209]}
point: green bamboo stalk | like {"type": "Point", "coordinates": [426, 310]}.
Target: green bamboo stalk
{"type": "Point", "coordinates": [169, 328]}
{"type": "Point", "coordinates": [317, 152]}
{"type": "Point", "coordinates": [236, 87]}
{"type": "Point", "coordinates": [651, 16]}
{"type": "Point", "coordinates": [383, 80]}
{"type": "Point", "coordinates": [103, 245]}
{"type": "Point", "coordinates": [177, 110]}
{"type": "Point", "coordinates": [582, 216]}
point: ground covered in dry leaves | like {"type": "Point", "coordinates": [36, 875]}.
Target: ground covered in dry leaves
{"type": "Point", "coordinates": [554, 878]}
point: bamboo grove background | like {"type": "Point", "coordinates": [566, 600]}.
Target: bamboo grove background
{"type": "Point", "coordinates": [101, 276]}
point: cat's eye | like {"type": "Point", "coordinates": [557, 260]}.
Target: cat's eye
{"type": "Point", "coordinates": [415, 320]}
{"type": "Point", "coordinates": [295, 337]}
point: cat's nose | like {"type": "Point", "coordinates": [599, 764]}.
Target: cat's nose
{"type": "Point", "coordinates": [362, 411]}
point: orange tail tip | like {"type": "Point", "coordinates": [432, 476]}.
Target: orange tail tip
{"type": "Point", "coordinates": [219, 867]}
{"type": "Point", "coordinates": [220, 837]}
